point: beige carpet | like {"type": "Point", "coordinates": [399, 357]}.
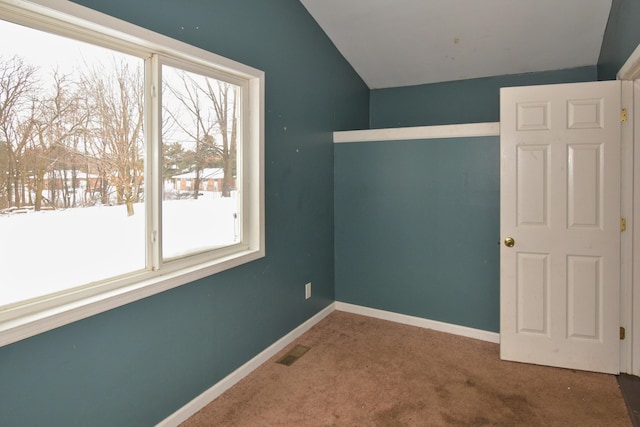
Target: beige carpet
{"type": "Point", "coordinates": [361, 371]}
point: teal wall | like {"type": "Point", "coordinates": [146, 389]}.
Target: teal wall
{"type": "Point", "coordinates": [621, 37]}
{"type": "Point", "coordinates": [136, 365]}
{"type": "Point", "coordinates": [417, 226]}
{"type": "Point", "coordinates": [463, 101]}
{"type": "Point", "coordinates": [417, 223]}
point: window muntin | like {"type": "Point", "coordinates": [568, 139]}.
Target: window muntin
{"type": "Point", "coordinates": [157, 273]}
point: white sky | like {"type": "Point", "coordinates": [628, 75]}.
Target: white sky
{"type": "Point", "coordinates": [46, 50]}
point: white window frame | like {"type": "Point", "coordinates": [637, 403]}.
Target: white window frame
{"type": "Point", "coordinates": [62, 17]}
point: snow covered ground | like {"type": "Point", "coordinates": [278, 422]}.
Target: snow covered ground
{"type": "Point", "coordinates": [49, 251]}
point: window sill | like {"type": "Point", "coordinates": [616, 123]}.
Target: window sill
{"type": "Point", "coordinates": [22, 326]}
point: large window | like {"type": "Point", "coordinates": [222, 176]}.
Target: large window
{"type": "Point", "coordinates": [129, 163]}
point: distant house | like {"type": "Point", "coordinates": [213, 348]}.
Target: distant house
{"type": "Point", "coordinates": [63, 180]}
{"type": "Point", "coordinates": [210, 180]}
{"type": "Point", "coordinates": [59, 179]}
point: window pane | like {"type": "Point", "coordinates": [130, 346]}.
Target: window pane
{"type": "Point", "coordinates": [201, 207]}
{"type": "Point", "coordinates": [71, 164]}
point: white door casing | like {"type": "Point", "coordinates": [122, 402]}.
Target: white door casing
{"type": "Point", "coordinates": [633, 290]}
{"type": "Point", "coordinates": [560, 202]}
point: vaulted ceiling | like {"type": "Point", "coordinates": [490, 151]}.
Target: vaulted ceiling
{"type": "Point", "coordinates": [394, 43]}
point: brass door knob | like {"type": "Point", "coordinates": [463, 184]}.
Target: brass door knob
{"type": "Point", "coordinates": [509, 242]}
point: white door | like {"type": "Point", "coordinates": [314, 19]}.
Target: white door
{"type": "Point", "coordinates": [560, 203]}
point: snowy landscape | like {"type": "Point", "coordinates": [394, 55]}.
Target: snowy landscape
{"type": "Point", "coordinates": [55, 250]}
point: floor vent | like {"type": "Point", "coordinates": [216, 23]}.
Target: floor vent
{"type": "Point", "coordinates": [294, 354]}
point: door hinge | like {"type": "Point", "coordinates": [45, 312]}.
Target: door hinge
{"type": "Point", "coordinates": [622, 332]}
{"type": "Point", "coordinates": [623, 115]}
{"type": "Point", "coordinates": [623, 224]}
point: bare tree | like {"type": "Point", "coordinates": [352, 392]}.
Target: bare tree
{"type": "Point", "coordinates": [117, 143]}
{"type": "Point", "coordinates": [56, 120]}
{"type": "Point", "coordinates": [17, 81]}
{"type": "Point", "coordinates": [224, 98]}
{"type": "Point", "coordinates": [211, 107]}
{"type": "Point", "coordinates": [198, 126]}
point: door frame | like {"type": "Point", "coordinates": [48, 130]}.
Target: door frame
{"type": "Point", "coordinates": [629, 74]}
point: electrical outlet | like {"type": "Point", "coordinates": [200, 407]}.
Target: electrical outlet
{"type": "Point", "coordinates": [307, 291]}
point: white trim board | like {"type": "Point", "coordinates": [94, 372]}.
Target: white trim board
{"type": "Point", "coordinates": [626, 239]}
{"type": "Point", "coordinates": [419, 132]}
{"type": "Point", "coordinates": [633, 288]}
{"type": "Point", "coordinates": [449, 328]}
{"type": "Point", "coordinates": [233, 378]}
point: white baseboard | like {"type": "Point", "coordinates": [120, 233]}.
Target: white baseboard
{"type": "Point", "coordinates": [464, 331]}
{"type": "Point", "coordinates": [230, 380]}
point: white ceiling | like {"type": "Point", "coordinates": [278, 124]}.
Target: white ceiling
{"type": "Point", "coordinates": [394, 43]}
